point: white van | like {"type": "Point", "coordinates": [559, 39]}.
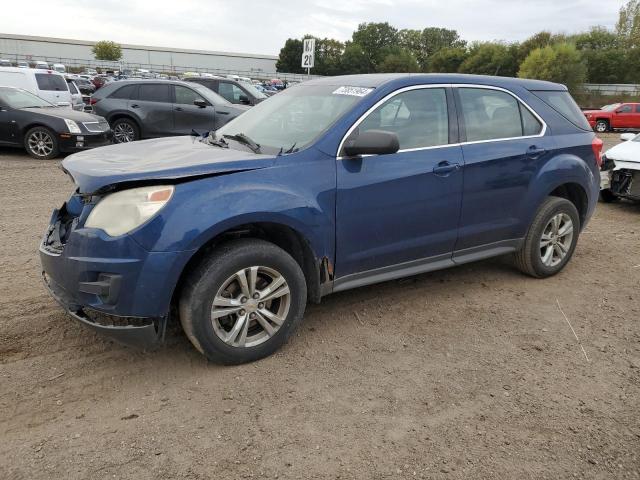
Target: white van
{"type": "Point", "coordinates": [60, 68]}
{"type": "Point", "coordinates": [46, 84]}
{"type": "Point", "coordinates": [41, 64]}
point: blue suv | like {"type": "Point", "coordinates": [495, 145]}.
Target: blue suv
{"type": "Point", "coordinates": [330, 185]}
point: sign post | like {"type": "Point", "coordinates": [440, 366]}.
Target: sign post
{"type": "Point", "coordinates": [308, 54]}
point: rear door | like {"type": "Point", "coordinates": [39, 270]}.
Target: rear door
{"type": "Point", "coordinates": [504, 146]}
{"type": "Point", "coordinates": [187, 116]}
{"type": "Point", "coordinates": [154, 108]}
{"type": "Point", "coordinates": [232, 92]}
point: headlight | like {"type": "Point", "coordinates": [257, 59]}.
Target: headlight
{"type": "Point", "coordinates": [121, 212]}
{"type": "Point", "coordinates": [72, 126]}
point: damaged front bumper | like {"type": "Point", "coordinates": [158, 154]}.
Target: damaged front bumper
{"type": "Point", "coordinates": [624, 180]}
{"type": "Point", "coordinates": [109, 284]}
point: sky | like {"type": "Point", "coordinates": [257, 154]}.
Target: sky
{"type": "Point", "coordinates": [259, 26]}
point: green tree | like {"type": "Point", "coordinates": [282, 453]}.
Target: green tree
{"type": "Point", "coordinates": [597, 38]}
{"type": "Point", "coordinates": [447, 60]}
{"type": "Point", "coordinates": [490, 58]}
{"type": "Point", "coordinates": [628, 26]}
{"type": "Point", "coordinates": [107, 50]}
{"type": "Point", "coordinates": [560, 63]}
{"type": "Point", "coordinates": [289, 59]}
{"type": "Point", "coordinates": [375, 39]}
{"type": "Point", "coordinates": [400, 60]}
{"type": "Point", "coordinates": [328, 57]}
{"type": "Point", "coordinates": [354, 60]}
{"type": "Point", "coordinates": [424, 44]}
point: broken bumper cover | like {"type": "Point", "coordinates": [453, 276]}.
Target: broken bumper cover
{"type": "Point", "coordinates": [136, 332]}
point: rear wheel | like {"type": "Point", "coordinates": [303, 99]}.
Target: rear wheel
{"type": "Point", "coordinates": [243, 301]}
{"type": "Point", "coordinates": [602, 126]}
{"type": "Point", "coordinates": [125, 130]}
{"type": "Point", "coordinates": [551, 239]}
{"type": "Point", "coordinates": [41, 143]}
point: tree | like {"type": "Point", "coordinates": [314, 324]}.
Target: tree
{"type": "Point", "coordinates": [107, 50]}
{"type": "Point", "coordinates": [447, 60]}
{"type": "Point", "coordinates": [628, 26]}
{"type": "Point", "coordinates": [597, 38]}
{"type": "Point", "coordinates": [424, 44]}
{"type": "Point", "coordinates": [375, 39]}
{"type": "Point", "coordinates": [401, 61]}
{"type": "Point", "coordinates": [490, 58]}
{"type": "Point", "coordinates": [354, 60]}
{"type": "Point", "coordinates": [290, 58]}
{"type": "Point", "coordinates": [559, 63]}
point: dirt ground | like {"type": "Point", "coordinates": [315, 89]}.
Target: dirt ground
{"type": "Point", "coordinates": [471, 372]}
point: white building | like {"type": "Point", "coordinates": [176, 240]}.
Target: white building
{"type": "Point", "coordinates": [160, 59]}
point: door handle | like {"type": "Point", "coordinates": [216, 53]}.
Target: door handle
{"type": "Point", "coordinates": [222, 112]}
{"type": "Point", "coordinates": [445, 168]}
{"type": "Point", "coordinates": [178, 109]}
{"type": "Point", "coordinates": [135, 105]}
{"type": "Point", "coordinates": [535, 152]}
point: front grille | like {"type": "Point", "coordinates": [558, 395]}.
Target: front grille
{"type": "Point", "coordinates": [97, 127]}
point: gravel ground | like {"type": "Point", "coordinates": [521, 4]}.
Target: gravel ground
{"type": "Point", "coordinates": [471, 372]}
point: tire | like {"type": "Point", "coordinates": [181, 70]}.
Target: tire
{"type": "Point", "coordinates": [602, 126]}
{"type": "Point", "coordinates": [125, 130]}
{"type": "Point", "coordinates": [41, 143]}
{"type": "Point", "coordinates": [216, 278]}
{"type": "Point", "coordinates": [607, 196]}
{"type": "Point", "coordinates": [531, 259]}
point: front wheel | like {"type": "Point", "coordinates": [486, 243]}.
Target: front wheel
{"type": "Point", "coordinates": [243, 301]}
{"type": "Point", "coordinates": [602, 126]}
{"type": "Point", "coordinates": [125, 131]}
{"type": "Point", "coordinates": [551, 239]}
{"type": "Point", "coordinates": [41, 143]}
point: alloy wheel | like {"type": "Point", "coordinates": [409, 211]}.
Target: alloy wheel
{"type": "Point", "coordinates": [556, 239]}
{"type": "Point", "coordinates": [250, 306]}
{"type": "Point", "coordinates": [123, 133]}
{"type": "Point", "coordinates": [40, 143]}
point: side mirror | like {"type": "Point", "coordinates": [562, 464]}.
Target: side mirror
{"type": "Point", "coordinates": [372, 142]}
{"type": "Point", "coordinates": [244, 99]}
{"type": "Point", "coordinates": [198, 102]}
{"type": "Point", "coordinates": [625, 137]}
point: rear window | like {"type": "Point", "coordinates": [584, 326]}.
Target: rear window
{"type": "Point", "coordinates": [563, 103]}
{"type": "Point", "coordinates": [154, 93]}
{"type": "Point", "coordinates": [124, 93]}
{"type": "Point", "coordinates": [49, 82]}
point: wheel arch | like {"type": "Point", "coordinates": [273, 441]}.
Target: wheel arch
{"type": "Point", "coordinates": [317, 271]}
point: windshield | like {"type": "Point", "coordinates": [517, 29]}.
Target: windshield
{"type": "Point", "coordinates": [253, 90]}
{"type": "Point", "coordinates": [16, 98]}
{"type": "Point", "coordinates": [294, 118]}
{"type": "Point", "coordinates": [610, 108]}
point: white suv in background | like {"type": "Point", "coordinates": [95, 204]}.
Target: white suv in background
{"type": "Point", "coordinates": [46, 84]}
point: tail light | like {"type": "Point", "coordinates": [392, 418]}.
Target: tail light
{"type": "Point", "coordinates": [93, 101]}
{"type": "Point", "coordinates": [597, 145]}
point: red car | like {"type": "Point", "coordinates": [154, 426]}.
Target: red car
{"type": "Point", "coordinates": [615, 116]}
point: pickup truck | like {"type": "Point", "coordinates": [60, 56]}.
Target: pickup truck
{"type": "Point", "coordinates": [615, 116]}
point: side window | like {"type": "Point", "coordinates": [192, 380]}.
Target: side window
{"type": "Point", "coordinates": [637, 108]}
{"type": "Point", "coordinates": [230, 91]}
{"type": "Point", "coordinates": [124, 93]}
{"type": "Point", "coordinates": [185, 96]}
{"type": "Point", "coordinates": [418, 117]}
{"type": "Point", "coordinates": [72, 88]}
{"type": "Point", "coordinates": [492, 114]}
{"type": "Point", "coordinates": [154, 92]}
{"type": "Point", "coordinates": [530, 124]}
{"type": "Point", "coordinates": [624, 109]}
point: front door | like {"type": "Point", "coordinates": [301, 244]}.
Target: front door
{"type": "Point", "coordinates": [187, 116]}
{"type": "Point", "coordinates": [154, 107]}
{"type": "Point", "coordinates": [397, 214]}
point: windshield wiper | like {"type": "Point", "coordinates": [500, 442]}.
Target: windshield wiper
{"type": "Point", "coordinates": [291, 149]}
{"type": "Point", "coordinates": [245, 140]}
{"type": "Point", "coordinates": [212, 140]}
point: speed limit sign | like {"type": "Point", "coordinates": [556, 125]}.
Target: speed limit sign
{"type": "Point", "coordinates": [308, 53]}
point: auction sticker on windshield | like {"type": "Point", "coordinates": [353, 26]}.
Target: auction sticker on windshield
{"type": "Point", "coordinates": [354, 91]}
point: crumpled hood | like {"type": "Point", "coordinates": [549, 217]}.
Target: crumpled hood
{"type": "Point", "coordinates": [628, 151]}
{"type": "Point", "coordinates": [158, 159]}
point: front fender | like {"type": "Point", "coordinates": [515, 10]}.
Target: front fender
{"type": "Point", "coordinates": [202, 209]}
